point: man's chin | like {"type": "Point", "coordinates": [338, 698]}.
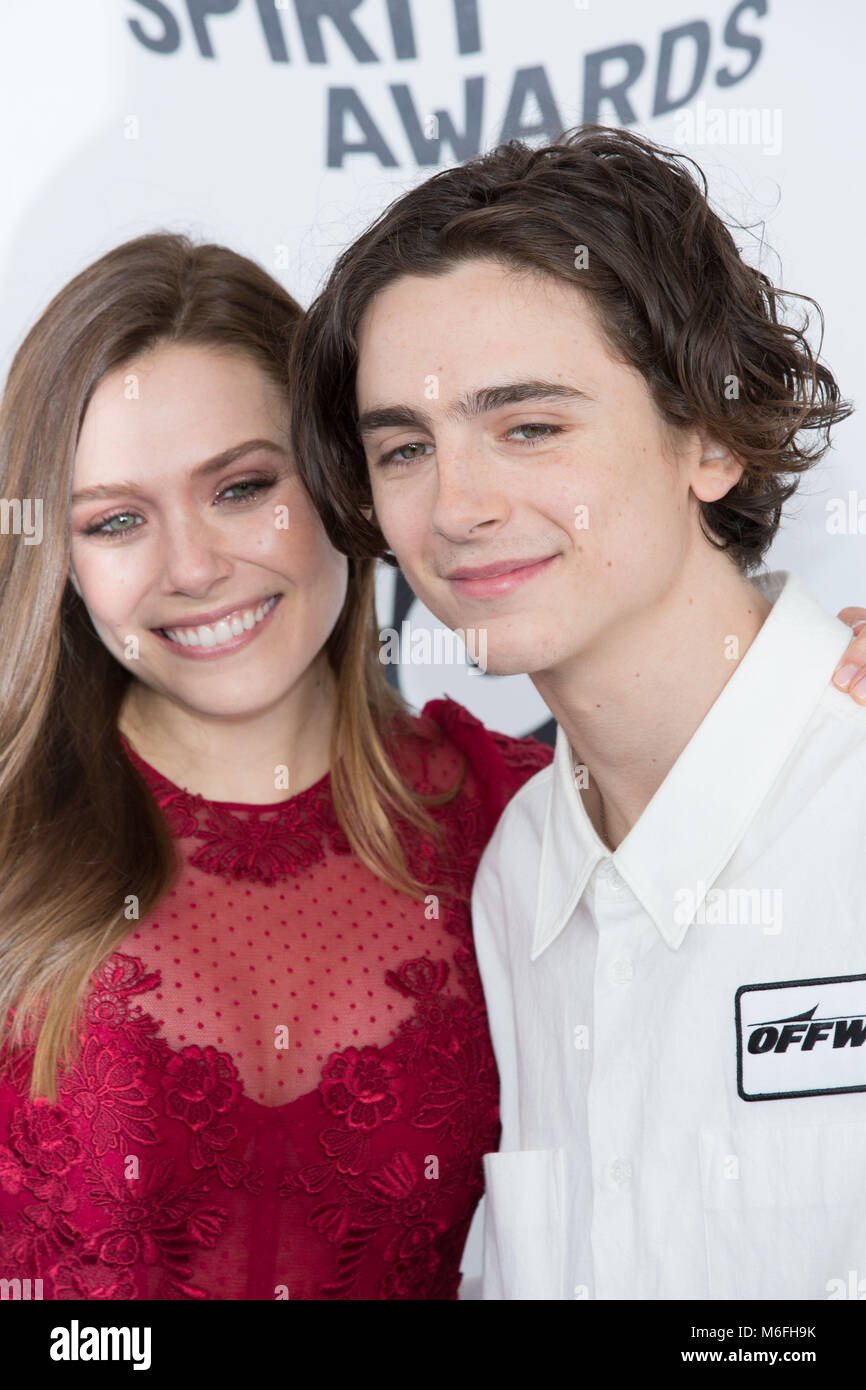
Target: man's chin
{"type": "Point", "coordinates": [498, 653]}
{"type": "Point", "coordinates": [512, 662]}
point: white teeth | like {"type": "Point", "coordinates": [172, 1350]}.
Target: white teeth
{"type": "Point", "coordinates": [224, 630]}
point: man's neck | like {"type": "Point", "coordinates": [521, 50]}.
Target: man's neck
{"type": "Point", "coordinates": [630, 703]}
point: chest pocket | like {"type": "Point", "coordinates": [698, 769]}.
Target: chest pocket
{"type": "Point", "coordinates": [524, 1235]}
{"type": "Point", "coordinates": [784, 1210]}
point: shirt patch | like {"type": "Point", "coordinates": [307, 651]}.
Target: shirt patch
{"type": "Point", "coordinates": [801, 1038]}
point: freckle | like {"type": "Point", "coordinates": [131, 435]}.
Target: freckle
{"type": "Point", "coordinates": [598, 706]}
{"type": "Point", "coordinates": [637, 673]}
{"type": "Point", "coordinates": [609, 563]}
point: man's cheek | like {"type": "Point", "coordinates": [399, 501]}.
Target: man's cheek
{"type": "Point", "coordinates": [403, 541]}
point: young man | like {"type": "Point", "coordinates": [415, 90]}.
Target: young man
{"type": "Point", "coordinates": [548, 379]}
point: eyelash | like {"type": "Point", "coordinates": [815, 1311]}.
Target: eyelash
{"type": "Point", "coordinates": [550, 430]}
{"type": "Point", "coordinates": [257, 484]}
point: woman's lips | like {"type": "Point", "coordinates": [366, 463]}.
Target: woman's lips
{"type": "Point", "coordinates": [494, 585]}
{"type": "Point", "coordinates": [235, 644]}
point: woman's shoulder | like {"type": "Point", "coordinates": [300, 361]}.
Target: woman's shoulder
{"type": "Point", "coordinates": [452, 742]}
{"type": "Point", "coordinates": [522, 757]}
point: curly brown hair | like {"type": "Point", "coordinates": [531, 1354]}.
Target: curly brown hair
{"type": "Point", "coordinates": [672, 293]}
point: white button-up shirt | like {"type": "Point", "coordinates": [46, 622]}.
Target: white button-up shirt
{"type": "Point", "coordinates": [680, 1025]}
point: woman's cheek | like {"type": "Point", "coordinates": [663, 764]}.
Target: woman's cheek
{"type": "Point", "coordinates": [104, 585]}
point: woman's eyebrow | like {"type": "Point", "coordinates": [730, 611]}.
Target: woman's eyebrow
{"type": "Point", "coordinates": [211, 465]}
{"type": "Point", "coordinates": [467, 407]}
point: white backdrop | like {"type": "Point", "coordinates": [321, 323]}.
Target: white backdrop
{"type": "Point", "coordinates": [282, 127]}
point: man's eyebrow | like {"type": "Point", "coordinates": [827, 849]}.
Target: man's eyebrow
{"type": "Point", "coordinates": [467, 407]}
{"type": "Point", "coordinates": [201, 470]}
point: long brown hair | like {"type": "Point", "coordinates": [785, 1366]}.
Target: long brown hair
{"type": "Point", "coordinates": [625, 221]}
{"type": "Point", "coordinates": [79, 829]}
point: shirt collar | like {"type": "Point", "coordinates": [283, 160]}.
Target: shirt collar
{"type": "Point", "coordinates": [700, 813]}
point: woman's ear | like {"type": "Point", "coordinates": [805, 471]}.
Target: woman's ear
{"type": "Point", "coordinates": [74, 582]}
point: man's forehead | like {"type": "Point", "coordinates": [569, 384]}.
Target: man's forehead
{"type": "Point", "coordinates": [391, 336]}
{"type": "Point", "coordinates": [478, 283]}
{"type": "Point", "coordinates": [461, 385]}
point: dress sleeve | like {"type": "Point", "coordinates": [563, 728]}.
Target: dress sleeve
{"type": "Point", "coordinates": [499, 763]}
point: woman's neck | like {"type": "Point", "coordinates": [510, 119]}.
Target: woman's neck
{"type": "Point", "coordinates": [259, 759]}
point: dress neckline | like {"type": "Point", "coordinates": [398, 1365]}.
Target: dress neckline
{"type": "Point", "coordinates": [172, 788]}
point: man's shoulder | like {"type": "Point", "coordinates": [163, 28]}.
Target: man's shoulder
{"type": "Point", "coordinates": [824, 778]}
{"type": "Point", "coordinates": [837, 708]}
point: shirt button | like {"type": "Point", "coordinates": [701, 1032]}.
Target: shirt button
{"type": "Point", "coordinates": [609, 877]}
{"type": "Point", "coordinates": [620, 1172]}
{"type": "Point", "coordinates": [621, 971]}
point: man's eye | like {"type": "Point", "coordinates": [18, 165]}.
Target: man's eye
{"type": "Point", "coordinates": [548, 431]}
{"type": "Point", "coordinates": [391, 456]}
{"type": "Point", "coordinates": [395, 457]}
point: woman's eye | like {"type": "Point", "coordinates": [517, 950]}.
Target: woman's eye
{"type": "Point", "coordinates": [105, 528]}
{"type": "Point", "coordinates": [99, 528]}
{"type": "Point", "coordinates": [257, 485]}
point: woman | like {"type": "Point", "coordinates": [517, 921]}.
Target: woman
{"type": "Point", "coordinates": [281, 1082]}
{"type": "Point", "coordinates": [247, 1052]}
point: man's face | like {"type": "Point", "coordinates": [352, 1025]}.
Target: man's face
{"type": "Point", "coordinates": [582, 488]}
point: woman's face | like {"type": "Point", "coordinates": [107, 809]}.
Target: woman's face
{"type": "Point", "coordinates": [210, 576]}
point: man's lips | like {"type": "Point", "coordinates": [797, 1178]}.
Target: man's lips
{"type": "Point", "coordinates": [491, 571]}
{"type": "Point", "coordinates": [500, 577]}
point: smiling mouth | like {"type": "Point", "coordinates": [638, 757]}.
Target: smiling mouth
{"type": "Point", "coordinates": [223, 631]}
{"type": "Point", "coordinates": [483, 585]}
{"type": "Point", "coordinates": [495, 571]}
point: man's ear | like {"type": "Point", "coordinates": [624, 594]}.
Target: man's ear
{"type": "Point", "coordinates": [716, 470]}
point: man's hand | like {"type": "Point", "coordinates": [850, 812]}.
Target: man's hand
{"type": "Point", "coordinates": [850, 674]}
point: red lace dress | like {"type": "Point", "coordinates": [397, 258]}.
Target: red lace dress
{"type": "Point", "coordinates": [286, 1081]}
